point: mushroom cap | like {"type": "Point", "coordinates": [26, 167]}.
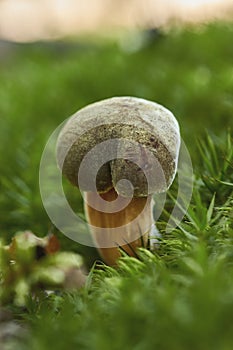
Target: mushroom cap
{"type": "Point", "coordinates": [141, 138]}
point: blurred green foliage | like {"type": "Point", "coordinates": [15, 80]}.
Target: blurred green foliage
{"type": "Point", "coordinates": [181, 297]}
{"type": "Point", "coordinates": [30, 265]}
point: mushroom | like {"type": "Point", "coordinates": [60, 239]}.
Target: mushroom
{"type": "Point", "coordinates": [120, 151]}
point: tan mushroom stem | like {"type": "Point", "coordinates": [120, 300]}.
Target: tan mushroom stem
{"type": "Point", "coordinates": [138, 214]}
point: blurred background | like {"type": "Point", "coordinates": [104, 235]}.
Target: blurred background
{"type": "Point", "coordinates": [28, 20]}
{"type": "Point", "coordinates": [57, 56]}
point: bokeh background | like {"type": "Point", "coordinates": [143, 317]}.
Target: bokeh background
{"type": "Point", "coordinates": [29, 20]}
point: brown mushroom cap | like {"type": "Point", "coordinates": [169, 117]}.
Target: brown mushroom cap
{"type": "Point", "coordinates": [146, 133]}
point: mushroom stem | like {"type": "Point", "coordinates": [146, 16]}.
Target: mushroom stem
{"type": "Point", "coordinates": [132, 224]}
